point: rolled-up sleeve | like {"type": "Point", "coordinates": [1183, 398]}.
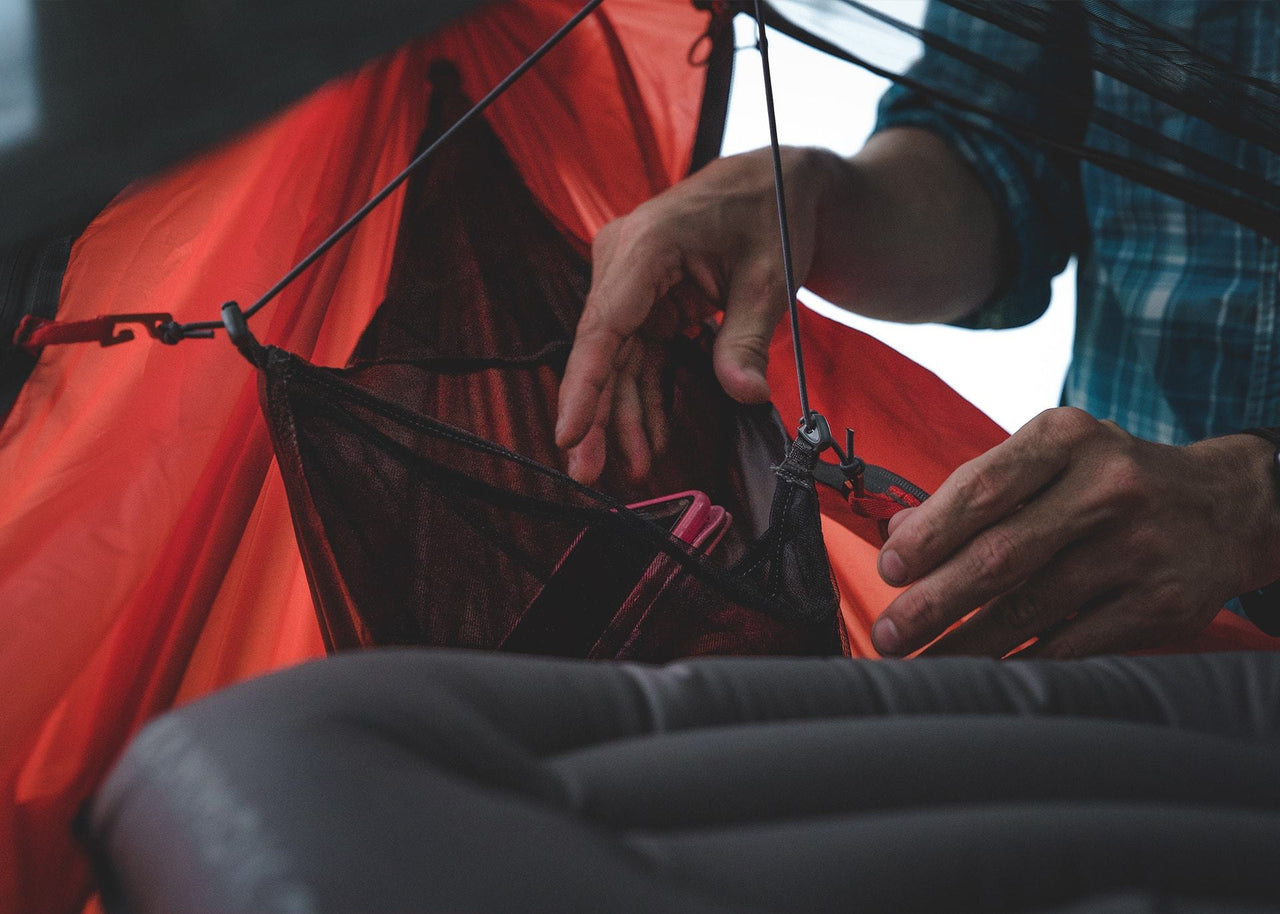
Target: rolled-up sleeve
{"type": "Point", "coordinates": [1036, 191]}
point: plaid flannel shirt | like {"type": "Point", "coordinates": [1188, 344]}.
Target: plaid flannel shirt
{"type": "Point", "coordinates": [1176, 327]}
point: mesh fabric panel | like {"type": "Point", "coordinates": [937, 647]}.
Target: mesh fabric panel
{"type": "Point", "coordinates": [428, 496]}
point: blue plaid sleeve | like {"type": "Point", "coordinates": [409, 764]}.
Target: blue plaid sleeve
{"type": "Point", "coordinates": [1037, 192]}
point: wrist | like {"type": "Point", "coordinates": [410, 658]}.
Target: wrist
{"type": "Point", "coordinates": [1262, 605]}
{"type": "Point", "coordinates": [1249, 506]}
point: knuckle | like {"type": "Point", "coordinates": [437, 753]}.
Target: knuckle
{"type": "Point", "coordinates": [976, 487]}
{"type": "Point", "coordinates": [596, 383]}
{"type": "Point", "coordinates": [1163, 600]}
{"type": "Point", "coordinates": [924, 613]}
{"type": "Point", "coordinates": [597, 323]}
{"type": "Point", "coordinates": [1066, 424]}
{"type": "Point", "coordinates": [927, 539]}
{"type": "Point", "coordinates": [1142, 543]}
{"type": "Point", "coordinates": [759, 285]}
{"type": "Point", "coordinates": [1122, 480]}
{"type": "Point", "coordinates": [994, 552]}
{"type": "Point", "coordinates": [639, 221]}
{"type": "Point", "coordinates": [641, 234]}
{"type": "Point", "coordinates": [750, 346]}
{"type": "Point", "coordinates": [916, 537]}
{"type": "Point", "coordinates": [1020, 611]}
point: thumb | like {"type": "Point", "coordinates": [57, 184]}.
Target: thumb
{"type": "Point", "coordinates": [741, 352]}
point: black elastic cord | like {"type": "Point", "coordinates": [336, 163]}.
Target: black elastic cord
{"type": "Point", "coordinates": [176, 332]}
{"type": "Point", "coordinates": [1228, 174]}
{"type": "Point", "coordinates": [793, 309]}
{"type": "Point", "coordinates": [1139, 56]}
{"type": "Point", "coordinates": [1255, 214]}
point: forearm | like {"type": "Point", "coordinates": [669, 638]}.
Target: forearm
{"type": "Point", "coordinates": [905, 231]}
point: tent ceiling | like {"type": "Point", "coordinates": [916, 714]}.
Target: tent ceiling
{"type": "Point", "coordinates": [95, 95]}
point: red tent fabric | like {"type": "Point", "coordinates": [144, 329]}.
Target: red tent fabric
{"type": "Point", "coordinates": [148, 556]}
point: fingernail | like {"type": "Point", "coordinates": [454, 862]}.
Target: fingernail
{"type": "Point", "coordinates": [892, 569]}
{"type": "Point", "coordinates": [885, 637]}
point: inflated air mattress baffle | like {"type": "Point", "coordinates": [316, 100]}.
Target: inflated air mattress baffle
{"type": "Point", "coordinates": [387, 782]}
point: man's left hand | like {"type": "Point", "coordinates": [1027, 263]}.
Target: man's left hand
{"type": "Point", "coordinates": [1075, 533]}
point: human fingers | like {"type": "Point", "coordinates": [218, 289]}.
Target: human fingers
{"type": "Point", "coordinates": [587, 374]}
{"type": "Point", "coordinates": [1075, 578]}
{"type": "Point", "coordinates": [629, 275]}
{"type": "Point", "coordinates": [756, 300]}
{"type": "Point", "coordinates": [653, 400]}
{"type": "Point", "coordinates": [586, 458]}
{"type": "Point", "coordinates": [1128, 621]}
{"type": "Point", "coordinates": [896, 521]}
{"type": "Point", "coordinates": [629, 421]}
{"type": "Point", "coordinates": [639, 422]}
{"type": "Point", "coordinates": [994, 562]}
{"type": "Point", "coordinates": [994, 523]}
{"type": "Point", "coordinates": [980, 493]}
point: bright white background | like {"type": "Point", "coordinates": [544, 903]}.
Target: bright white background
{"type": "Point", "coordinates": [821, 101]}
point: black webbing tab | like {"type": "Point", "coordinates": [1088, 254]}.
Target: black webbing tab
{"type": "Point", "coordinates": [791, 558]}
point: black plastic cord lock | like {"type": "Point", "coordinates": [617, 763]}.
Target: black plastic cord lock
{"type": "Point", "coordinates": [233, 320]}
{"type": "Point", "coordinates": [237, 326]}
{"type": "Point", "coordinates": [815, 430]}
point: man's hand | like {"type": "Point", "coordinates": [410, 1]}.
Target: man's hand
{"type": "Point", "coordinates": [1076, 533]}
{"type": "Point", "coordinates": [903, 231]}
{"type": "Point", "coordinates": [709, 243]}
